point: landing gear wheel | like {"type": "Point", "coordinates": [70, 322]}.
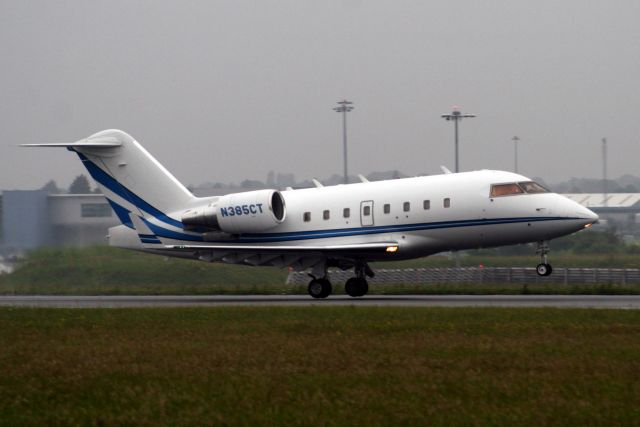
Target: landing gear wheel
{"type": "Point", "coordinates": [356, 287]}
{"type": "Point", "coordinates": [544, 269]}
{"type": "Point", "coordinates": [319, 288]}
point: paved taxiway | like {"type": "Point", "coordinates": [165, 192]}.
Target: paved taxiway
{"type": "Point", "coordinates": [573, 301]}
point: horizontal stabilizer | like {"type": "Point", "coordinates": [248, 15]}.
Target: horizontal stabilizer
{"type": "Point", "coordinates": [99, 142]}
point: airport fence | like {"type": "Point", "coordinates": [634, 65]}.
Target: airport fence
{"type": "Point", "coordinates": [478, 275]}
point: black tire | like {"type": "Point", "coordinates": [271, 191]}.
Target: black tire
{"type": "Point", "coordinates": [544, 269]}
{"type": "Point", "coordinates": [319, 288]}
{"type": "Point", "coordinates": [351, 287]}
{"type": "Point", "coordinates": [356, 287]}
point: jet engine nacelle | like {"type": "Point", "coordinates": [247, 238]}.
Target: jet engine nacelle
{"type": "Point", "coordinates": [239, 213]}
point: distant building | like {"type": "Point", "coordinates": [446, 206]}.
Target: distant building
{"type": "Point", "coordinates": [619, 209]}
{"type": "Point", "coordinates": [31, 219]}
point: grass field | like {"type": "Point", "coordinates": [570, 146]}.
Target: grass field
{"type": "Point", "coordinates": [104, 270]}
{"type": "Point", "coordinates": [320, 366]}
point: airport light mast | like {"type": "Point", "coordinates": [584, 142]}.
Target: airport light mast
{"type": "Point", "coordinates": [515, 140]}
{"type": "Point", "coordinates": [456, 116]}
{"type": "Point", "coordinates": [605, 196]}
{"type": "Point", "coordinates": [344, 107]}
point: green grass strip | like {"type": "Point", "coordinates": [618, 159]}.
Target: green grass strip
{"type": "Point", "coordinates": [319, 366]}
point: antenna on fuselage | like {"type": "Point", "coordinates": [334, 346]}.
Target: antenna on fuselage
{"type": "Point", "coordinates": [362, 178]}
{"type": "Point", "coordinates": [445, 170]}
{"type": "Point", "coordinates": [317, 183]}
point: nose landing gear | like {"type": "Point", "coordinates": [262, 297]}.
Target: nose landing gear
{"type": "Point", "coordinates": [544, 268]}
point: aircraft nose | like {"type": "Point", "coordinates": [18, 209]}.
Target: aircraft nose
{"type": "Point", "coordinates": [591, 215]}
{"type": "Point", "coordinates": [576, 210]}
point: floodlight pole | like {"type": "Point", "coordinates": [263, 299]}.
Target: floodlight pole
{"type": "Point", "coordinates": [344, 107]}
{"type": "Point", "coordinates": [604, 171]}
{"type": "Point", "coordinates": [515, 140]}
{"type": "Point", "coordinates": [456, 116]}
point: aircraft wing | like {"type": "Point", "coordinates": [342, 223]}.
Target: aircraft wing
{"type": "Point", "coordinates": [298, 257]}
{"type": "Point", "coordinates": [358, 247]}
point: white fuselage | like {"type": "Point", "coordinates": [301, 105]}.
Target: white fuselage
{"type": "Point", "coordinates": [424, 215]}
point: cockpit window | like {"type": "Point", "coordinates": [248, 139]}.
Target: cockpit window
{"type": "Point", "coordinates": [512, 188]}
{"type": "Point", "coordinates": [533, 187]}
{"type": "Point", "coordinates": [498, 190]}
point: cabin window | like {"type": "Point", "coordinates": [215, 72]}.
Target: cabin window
{"type": "Point", "coordinates": [325, 214]}
{"type": "Point", "coordinates": [346, 212]}
{"type": "Point", "coordinates": [366, 211]}
{"type": "Point", "coordinates": [447, 202]}
{"type": "Point", "coordinates": [426, 204]}
{"type": "Point", "coordinates": [387, 208]}
{"type": "Point", "coordinates": [532, 187]}
{"type": "Point", "coordinates": [499, 190]}
{"type": "Point", "coordinates": [306, 217]}
{"type": "Point", "coordinates": [406, 206]}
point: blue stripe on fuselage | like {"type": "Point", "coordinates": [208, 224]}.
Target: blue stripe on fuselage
{"type": "Point", "coordinates": [347, 232]}
{"type": "Point", "coordinates": [148, 240]}
{"type": "Point", "coordinates": [163, 232]}
{"type": "Point", "coordinates": [320, 234]}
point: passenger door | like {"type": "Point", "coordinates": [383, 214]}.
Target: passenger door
{"type": "Point", "coordinates": [366, 213]}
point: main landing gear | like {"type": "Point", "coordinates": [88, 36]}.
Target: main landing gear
{"type": "Point", "coordinates": [320, 287]}
{"type": "Point", "coordinates": [356, 286]}
{"type": "Point", "coordinates": [544, 268]}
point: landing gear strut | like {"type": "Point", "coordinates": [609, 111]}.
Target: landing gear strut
{"type": "Point", "coordinates": [544, 268]}
{"type": "Point", "coordinates": [358, 286]}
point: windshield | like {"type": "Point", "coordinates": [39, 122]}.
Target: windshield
{"type": "Point", "coordinates": [533, 187]}
{"type": "Point", "coordinates": [514, 188]}
{"type": "Point", "coordinates": [498, 190]}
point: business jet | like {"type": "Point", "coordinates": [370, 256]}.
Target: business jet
{"type": "Point", "coordinates": [341, 226]}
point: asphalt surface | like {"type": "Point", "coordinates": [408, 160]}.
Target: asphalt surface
{"type": "Point", "coordinates": [567, 301]}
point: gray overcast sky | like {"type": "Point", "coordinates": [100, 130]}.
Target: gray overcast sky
{"type": "Point", "coordinates": [222, 91]}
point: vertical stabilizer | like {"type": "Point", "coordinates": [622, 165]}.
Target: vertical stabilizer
{"type": "Point", "coordinates": [132, 180]}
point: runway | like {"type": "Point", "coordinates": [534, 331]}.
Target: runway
{"type": "Point", "coordinates": [560, 301]}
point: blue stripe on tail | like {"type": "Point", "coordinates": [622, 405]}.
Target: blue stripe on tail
{"type": "Point", "coordinates": [109, 182]}
{"type": "Point", "coordinates": [123, 214]}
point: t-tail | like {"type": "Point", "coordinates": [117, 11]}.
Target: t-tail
{"type": "Point", "coordinates": [135, 184]}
